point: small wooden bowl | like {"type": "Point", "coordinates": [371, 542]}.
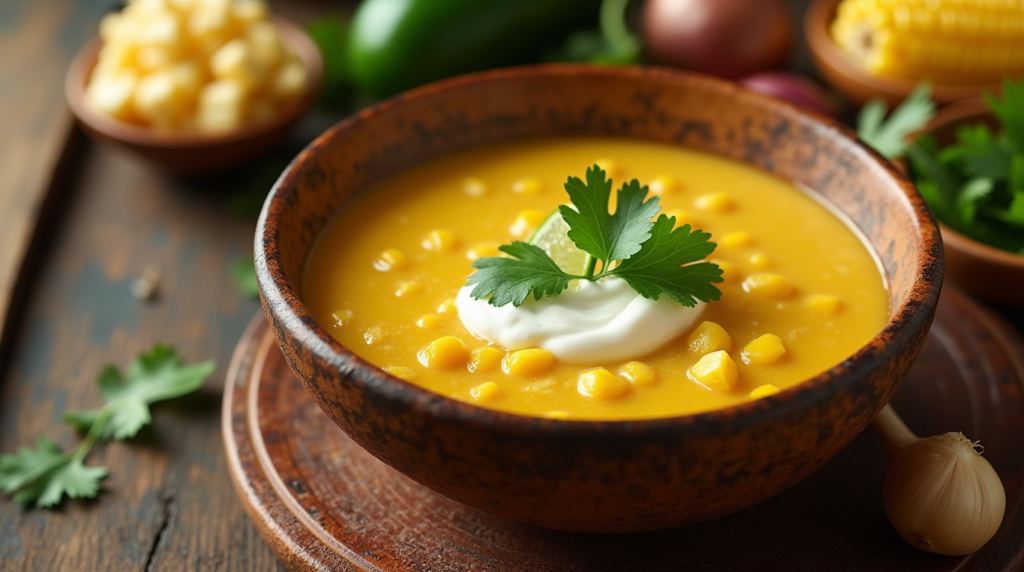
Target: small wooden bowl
{"type": "Point", "coordinates": [195, 153]}
{"type": "Point", "coordinates": [858, 86]}
{"type": "Point", "coordinates": [600, 476]}
{"type": "Point", "coordinates": [978, 268]}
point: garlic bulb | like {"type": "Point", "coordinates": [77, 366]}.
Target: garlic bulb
{"type": "Point", "coordinates": [940, 494]}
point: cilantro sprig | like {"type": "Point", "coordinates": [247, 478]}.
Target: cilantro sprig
{"type": "Point", "coordinates": [653, 256]}
{"type": "Point", "coordinates": [888, 136]}
{"type": "Point", "coordinates": [42, 476]}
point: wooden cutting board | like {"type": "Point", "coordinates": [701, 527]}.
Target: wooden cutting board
{"type": "Point", "coordinates": [322, 503]}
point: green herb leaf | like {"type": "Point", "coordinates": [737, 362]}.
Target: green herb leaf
{"type": "Point", "coordinates": [982, 154]}
{"type": "Point", "coordinates": [512, 280]}
{"type": "Point", "coordinates": [605, 236]}
{"type": "Point", "coordinates": [1010, 111]}
{"type": "Point", "coordinates": [889, 137]}
{"type": "Point", "coordinates": [45, 475]}
{"type": "Point", "coordinates": [664, 265]}
{"type": "Point", "coordinates": [613, 44]}
{"type": "Point", "coordinates": [243, 271]}
{"type": "Point", "coordinates": [154, 376]}
{"type": "Point", "coordinates": [970, 195]}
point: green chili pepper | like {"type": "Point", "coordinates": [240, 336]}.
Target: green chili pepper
{"type": "Point", "coordinates": [398, 44]}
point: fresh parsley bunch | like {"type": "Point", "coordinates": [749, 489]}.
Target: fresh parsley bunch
{"type": "Point", "coordinates": [44, 475]}
{"type": "Point", "coordinates": [652, 256]}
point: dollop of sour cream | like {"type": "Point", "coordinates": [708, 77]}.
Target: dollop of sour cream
{"type": "Point", "coordinates": [599, 322]}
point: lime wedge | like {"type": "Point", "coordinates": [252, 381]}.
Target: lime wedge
{"type": "Point", "coordinates": [552, 237]}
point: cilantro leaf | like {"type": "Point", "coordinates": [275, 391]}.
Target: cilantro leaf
{"type": "Point", "coordinates": [982, 155]}
{"type": "Point", "coordinates": [664, 265]}
{"type": "Point", "coordinates": [243, 271]}
{"type": "Point", "coordinates": [153, 376]}
{"type": "Point", "coordinates": [45, 475]}
{"type": "Point", "coordinates": [505, 280]}
{"type": "Point", "coordinates": [889, 137]}
{"type": "Point", "coordinates": [1010, 111]}
{"type": "Point", "coordinates": [970, 195]}
{"type": "Point", "coordinates": [607, 236]}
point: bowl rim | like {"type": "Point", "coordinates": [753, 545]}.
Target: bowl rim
{"type": "Point", "coordinates": [282, 301]}
{"type": "Point", "coordinates": [816, 24]}
{"type": "Point", "coordinates": [964, 111]}
{"type": "Point", "coordinates": [77, 77]}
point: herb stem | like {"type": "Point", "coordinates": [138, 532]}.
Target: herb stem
{"type": "Point", "coordinates": [93, 435]}
{"type": "Point", "coordinates": [591, 265]}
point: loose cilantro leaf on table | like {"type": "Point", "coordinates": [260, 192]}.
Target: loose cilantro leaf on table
{"type": "Point", "coordinates": [44, 475]}
{"type": "Point", "coordinates": [889, 136]}
{"type": "Point", "coordinates": [654, 258]}
{"type": "Point", "coordinates": [154, 376]}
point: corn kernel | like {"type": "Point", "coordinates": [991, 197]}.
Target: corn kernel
{"type": "Point", "coordinates": [664, 186]}
{"type": "Point", "coordinates": [483, 250]}
{"type": "Point", "coordinates": [768, 286]}
{"type": "Point", "coordinates": [250, 11]}
{"type": "Point", "coordinates": [764, 350]}
{"type": "Point", "coordinates": [447, 307]}
{"type": "Point", "coordinates": [760, 260]}
{"type": "Point", "coordinates": [428, 322]}
{"type": "Point", "coordinates": [407, 288]}
{"type": "Point", "coordinates": [611, 168]}
{"type": "Point", "coordinates": [715, 202]}
{"type": "Point", "coordinates": [735, 240]}
{"type": "Point", "coordinates": [730, 272]}
{"type": "Point", "coordinates": [556, 415]}
{"type": "Point", "coordinates": [374, 335]}
{"type": "Point", "coordinates": [233, 61]}
{"type": "Point", "coordinates": [221, 106]}
{"type": "Point", "coordinates": [708, 337]}
{"type": "Point", "coordinates": [527, 187]}
{"type": "Point", "coordinates": [406, 373]}
{"type": "Point", "coordinates": [638, 373]}
{"type": "Point", "coordinates": [824, 304]}
{"type": "Point", "coordinates": [474, 187]}
{"type": "Point", "coordinates": [447, 352]}
{"type": "Point", "coordinates": [486, 392]}
{"type": "Point", "coordinates": [601, 384]}
{"type": "Point", "coordinates": [485, 359]}
{"type": "Point", "coordinates": [389, 260]}
{"type": "Point", "coordinates": [339, 318]}
{"type": "Point", "coordinates": [440, 241]}
{"type": "Point", "coordinates": [156, 97]}
{"type": "Point", "coordinates": [715, 371]}
{"type": "Point", "coordinates": [528, 363]}
{"type": "Point", "coordinates": [265, 47]}
{"type": "Point", "coordinates": [526, 222]}
{"type": "Point", "coordinates": [112, 94]}
{"type": "Point", "coordinates": [764, 391]}
{"type": "Point", "coordinates": [290, 81]}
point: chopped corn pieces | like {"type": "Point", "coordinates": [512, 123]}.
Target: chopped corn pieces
{"type": "Point", "coordinates": [407, 288]}
{"type": "Point", "coordinates": [207, 65]}
{"type": "Point", "coordinates": [824, 304]}
{"type": "Point", "coordinates": [485, 359]}
{"type": "Point", "coordinates": [448, 352]}
{"type": "Point", "coordinates": [715, 371]}
{"type": "Point", "coordinates": [474, 187]}
{"type": "Point", "coordinates": [486, 392]}
{"type": "Point", "coordinates": [529, 363]}
{"type": "Point", "coordinates": [602, 384]}
{"type": "Point", "coordinates": [768, 286]}
{"type": "Point", "coordinates": [527, 187]}
{"type": "Point", "coordinates": [708, 337]}
{"type": "Point", "coordinates": [764, 350]}
{"type": "Point", "coordinates": [638, 373]}
{"type": "Point", "coordinates": [483, 250]}
{"type": "Point", "coordinates": [735, 240]}
{"type": "Point", "coordinates": [715, 202]}
{"type": "Point", "coordinates": [526, 222]}
{"type": "Point", "coordinates": [764, 391]}
{"type": "Point", "coordinates": [440, 241]}
{"type": "Point", "coordinates": [428, 322]}
{"type": "Point", "coordinates": [389, 260]}
{"type": "Point", "coordinates": [664, 186]}
{"type": "Point", "coordinates": [406, 373]}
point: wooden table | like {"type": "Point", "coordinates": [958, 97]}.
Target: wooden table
{"type": "Point", "coordinates": [168, 503]}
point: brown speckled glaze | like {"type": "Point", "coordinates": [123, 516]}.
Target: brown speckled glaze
{"type": "Point", "coordinates": [595, 476]}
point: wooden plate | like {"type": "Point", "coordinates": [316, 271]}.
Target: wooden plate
{"type": "Point", "coordinates": [322, 503]}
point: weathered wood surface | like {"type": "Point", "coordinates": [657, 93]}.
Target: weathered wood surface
{"type": "Point", "coordinates": [323, 503]}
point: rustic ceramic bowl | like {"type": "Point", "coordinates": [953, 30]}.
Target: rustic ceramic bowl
{"type": "Point", "coordinates": [846, 77]}
{"type": "Point", "coordinates": [600, 476]}
{"type": "Point", "coordinates": [978, 268]}
{"type": "Point", "coordinates": [195, 153]}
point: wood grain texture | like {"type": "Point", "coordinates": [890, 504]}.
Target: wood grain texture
{"type": "Point", "coordinates": [323, 503]}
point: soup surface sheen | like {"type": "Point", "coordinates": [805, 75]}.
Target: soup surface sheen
{"type": "Point", "coordinates": [388, 307]}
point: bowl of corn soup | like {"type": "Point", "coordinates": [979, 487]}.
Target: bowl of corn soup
{"type": "Point", "coordinates": [803, 273]}
{"type": "Point", "coordinates": [203, 98]}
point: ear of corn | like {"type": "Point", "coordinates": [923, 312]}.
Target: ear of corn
{"type": "Point", "coordinates": [945, 41]}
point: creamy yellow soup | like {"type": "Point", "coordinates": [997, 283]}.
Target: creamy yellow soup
{"type": "Point", "coordinates": [801, 291]}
